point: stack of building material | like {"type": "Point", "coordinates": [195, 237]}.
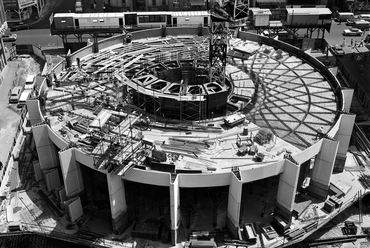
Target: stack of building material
{"type": "Point", "coordinates": [334, 190]}
{"type": "Point", "coordinates": [310, 226]}
{"type": "Point", "coordinates": [350, 228]}
{"type": "Point", "coordinates": [329, 206]}
{"type": "Point", "coordinates": [147, 230]}
{"type": "Point", "coordinates": [263, 136]}
{"type": "Point", "coordinates": [279, 224]}
{"type": "Point", "coordinates": [300, 207]}
{"type": "Point", "coordinates": [337, 202]}
{"type": "Point", "coordinates": [295, 234]}
{"type": "Point", "coordinates": [365, 181]}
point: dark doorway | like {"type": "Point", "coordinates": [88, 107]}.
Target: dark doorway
{"type": "Point", "coordinates": [77, 23]}
{"type": "Point", "coordinates": [120, 21]}
{"type": "Point", "coordinates": [174, 21]}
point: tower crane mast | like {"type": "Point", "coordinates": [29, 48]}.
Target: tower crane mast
{"type": "Point", "coordinates": [223, 13]}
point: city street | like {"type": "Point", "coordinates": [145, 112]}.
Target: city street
{"type": "Point", "coordinates": [38, 36]}
{"type": "Point", "coordinates": [336, 37]}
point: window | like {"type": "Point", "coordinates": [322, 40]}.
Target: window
{"type": "Point", "coordinates": [63, 21]}
{"type": "Point", "coordinates": [95, 21]}
{"type": "Point", "coordinates": [152, 18]}
{"type": "Point", "coordinates": [101, 20]}
{"type": "Point", "coordinates": [154, 2]}
{"type": "Point", "coordinates": [176, 4]}
{"type": "Point", "coordinates": [187, 19]}
{"type": "Point", "coordinates": [187, 4]}
{"type": "Point", "coordinates": [164, 2]}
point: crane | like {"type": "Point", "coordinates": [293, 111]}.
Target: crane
{"type": "Point", "coordinates": [223, 13]}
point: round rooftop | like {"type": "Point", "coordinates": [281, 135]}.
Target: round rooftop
{"type": "Point", "coordinates": [273, 89]}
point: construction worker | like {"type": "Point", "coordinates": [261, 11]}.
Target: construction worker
{"type": "Point", "coordinates": [361, 43]}
{"type": "Point", "coordinates": [319, 133]}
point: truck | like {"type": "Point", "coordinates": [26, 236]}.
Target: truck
{"type": "Point", "coordinates": [363, 25]}
{"type": "Point", "coordinates": [344, 16]}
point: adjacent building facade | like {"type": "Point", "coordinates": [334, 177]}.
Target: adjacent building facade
{"type": "Point", "coordinates": [3, 27]}
{"type": "Point", "coordinates": [152, 5]}
{"type": "Point", "coordinates": [19, 10]}
{"type": "Point", "coordinates": [191, 5]}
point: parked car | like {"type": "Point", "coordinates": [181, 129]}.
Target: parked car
{"type": "Point", "coordinates": [26, 94]}
{"type": "Point", "coordinates": [350, 22]}
{"type": "Point", "coordinates": [20, 26]}
{"type": "Point", "coordinates": [30, 83]}
{"type": "Point", "coordinates": [9, 37]}
{"type": "Point", "coordinates": [352, 31]}
{"type": "Point", "coordinates": [15, 94]}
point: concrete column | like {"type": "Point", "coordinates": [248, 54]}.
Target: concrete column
{"type": "Point", "coordinates": [234, 205]}
{"type": "Point", "coordinates": [343, 135]}
{"type": "Point", "coordinates": [48, 156]}
{"type": "Point", "coordinates": [71, 171]}
{"type": "Point", "coordinates": [175, 206]}
{"type": "Point", "coordinates": [117, 199]}
{"type": "Point", "coordinates": [287, 190]}
{"type": "Point", "coordinates": [95, 43]}
{"type": "Point", "coordinates": [323, 168]}
{"type": "Point", "coordinates": [347, 98]}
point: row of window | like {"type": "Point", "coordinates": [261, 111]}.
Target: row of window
{"type": "Point", "coordinates": [152, 18]}
{"type": "Point", "coordinates": [159, 2]}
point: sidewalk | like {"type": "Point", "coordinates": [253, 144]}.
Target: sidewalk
{"type": "Point", "coordinates": [8, 123]}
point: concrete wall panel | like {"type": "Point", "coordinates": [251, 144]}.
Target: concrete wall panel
{"type": "Point", "coordinates": [52, 179]}
{"type": "Point", "coordinates": [234, 200]}
{"type": "Point", "coordinates": [41, 135]}
{"type": "Point", "coordinates": [328, 150]}
{"type": "Point", "coordinates": [71, 172]}
{"type": "Point", "coordinates": [347, 98]}
{"type": "Point", "coordinates": [34, 112]}
{"type": "Point", "coordinates": [47, 157]}
{"type": "Point", "coordinates": [308, 153]}
{"type": "Point", "coordinates": [117, 195]}
{"type": "Point", "coordinates": [149, 177]}
{"type": "Point", "coordinates": [344, 133]}
{"type": "Point", "coordinates": [85, 159]}
{"type": "Point", "coordinates": [203, 180]}
{"type": "Point", "coordinates": [257, 172]}
{"type": "Point", "coordinates": [324, 162]}
{"type": "Point", "coordinates": [288, 185]}
{"type": "Point", "coordinates": [45, 148]}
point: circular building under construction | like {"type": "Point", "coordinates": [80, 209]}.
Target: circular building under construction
{"type": "Point", "coordinates": [176, 85]}
{"type": "Point", "coordinates": [169, 140]}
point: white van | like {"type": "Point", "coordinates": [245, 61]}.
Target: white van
{"type": "Point", "coordinates": [26, 94]}
{"type": "Point", "coordinates": [363, 25]}
{"type": "Point", "coordinates": [344, 16]}
{"type": "Point", "coordinates": [30, 83]}
{"type": "Point", "coordinates": [365, 17]}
